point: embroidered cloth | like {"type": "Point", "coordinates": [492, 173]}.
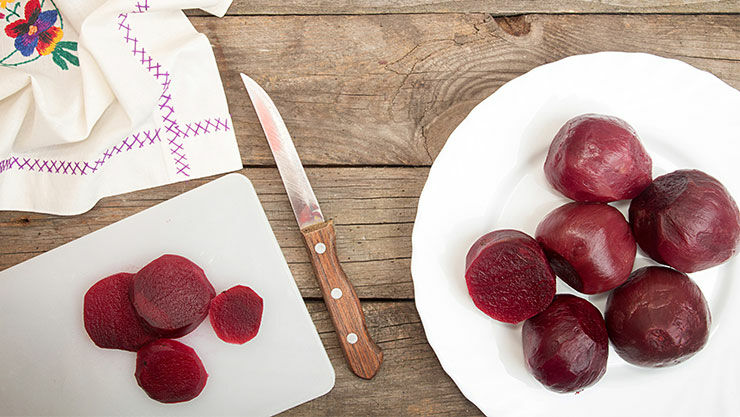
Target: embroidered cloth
{"type": "Point", "coordinates": [103, 97]}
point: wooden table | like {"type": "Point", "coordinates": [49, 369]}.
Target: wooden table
{"type": "Point", "coordinates": [370, 90]}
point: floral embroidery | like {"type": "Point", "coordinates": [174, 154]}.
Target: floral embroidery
{"type": "Point", "coordinates": [37, 33]}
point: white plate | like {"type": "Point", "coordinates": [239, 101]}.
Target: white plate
{"type": "Point", "coordinates": [489, 176]}
{"type": "Point", "coordinates": [49, 366]}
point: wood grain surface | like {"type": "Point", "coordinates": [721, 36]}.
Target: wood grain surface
{"type": "Point", "coordinates": [498, 7]}
{"type": "Point", "coordinates": [373, 208]}
{"type": "Point", "coordinates": [410, 383]}
{"type": "Point", "coordinates": [389, 89]}
{"type": "Point", "coordinates": [370, 90]}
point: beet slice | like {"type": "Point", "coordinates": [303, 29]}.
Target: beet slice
{"type": "Point", "coordinates": [508, 276]}
{"type": "Point", "coordinates": [589, 245]}
{"type": "Point", "coordinates": [686, 219]}
{"type": "Point", "coordinates": [171, 295]}
{"type": "Point", "coordinates": [110, 319]}
{"type": "Point", "coordinates": [169, 371]}
{"type": "Point", "coordinates": [658, 318]}
{"type": "Point", "coordinates": [566, 346]}
{"type": "Point", "coordinates": [596, 158]}
{"type": "Point", "coordinates": [236, 314]}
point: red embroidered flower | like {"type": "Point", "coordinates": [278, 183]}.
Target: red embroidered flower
{"type": "Point", "coordinates": [35, 31]}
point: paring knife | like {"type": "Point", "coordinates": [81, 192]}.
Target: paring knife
{"type": "Point", "coordinates": [363, 355]}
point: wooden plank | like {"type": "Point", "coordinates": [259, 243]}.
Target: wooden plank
{"type": "Point", "coordinates": [498, 7]}
{"type": "Point", "coordinates": [410, 381]}
{"type": "Point", "coordinates": [389, 89]}
{"type": "Point", "coordinates": [374, 209]}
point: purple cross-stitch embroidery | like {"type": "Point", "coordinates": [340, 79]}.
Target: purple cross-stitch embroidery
{"type": "Point", "coordinates": [166, 108]}
{"type": "Point", "coordinates": [199, 128]}
{"type": "Point", "coordinates": [141, 7]}
{"type": "Point", "coordinates": [129, 143]}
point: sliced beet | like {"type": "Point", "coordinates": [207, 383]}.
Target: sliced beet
{"type": "Point", "coordinates": [589, 245]}
{"type": "Point", "coordinates": [658, 318]}
{"type": "Point", "coordinates": [110, 319]}
{"type": "Point", "coordinates": [236, 314]}
{"type": "Point", "coordinates": [508, 276]}
{"type": "Point", "coordinates": [171, 295]}
{"type": "Point", "coordinates": [596, 158]}
{"type": "Point", "coordinates": [169, 371]}
{"type": "Point", "coordinates": [566, 346]}
{"type": "Point", "coordinates": [686, 219]}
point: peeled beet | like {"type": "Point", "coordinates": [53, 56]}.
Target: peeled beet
{"type": "Point", "coordinates": [657, 318]}
{"type": "Point", "coordinates": [686, 219]}
{"type": "Point", "coordinates": [566, 346]}
{"type": "Point", "coordinates": [508, 276]}
{"type": "Point", "coordinates": [596, 158]}
{"type": "Point", "coordinates": [236, 314]}
{"type": "Point", "coordinates": [169, 371]}
{"type": "Point", "coordinates": [589, 245]}
{"type": "Point", "coordinates": [110, 319]}
{"type": "Point", "coordinates": [171, 296]}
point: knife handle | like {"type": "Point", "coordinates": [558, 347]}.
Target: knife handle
{"type": "Point", "coordinates": [363, 355]}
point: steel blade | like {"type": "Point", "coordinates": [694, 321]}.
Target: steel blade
{"type": "Point", "coordinates": [302, 199]}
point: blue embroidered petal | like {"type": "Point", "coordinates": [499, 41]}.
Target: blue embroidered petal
{"type": "Point", "coordinates": [26, 44]}
{"type": "Point", "coordinates": [46, 20]}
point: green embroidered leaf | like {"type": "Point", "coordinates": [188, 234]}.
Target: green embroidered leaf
{"type": "Point", "coordinates": [72, 46]}
{"type": "Point", "coordinates": [13, 12]}
{"type": "Point", "coordinates": [59, 61]}
{"type": "Point", "coordinates": [68, 56]}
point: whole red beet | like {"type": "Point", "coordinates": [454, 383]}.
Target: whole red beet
{"type": "Point", "coordinates": [596, 158]}
{"type": "Point", "coordinates": [658, 318]}
{"type": "Point", "coordinates": [686, 219]}
{"type": "Point", "coordinates": [508, 276]}
{"type": "Point", "coordinates": [589, 246]}
{"type": "Point", "coordinates": [566, 346]}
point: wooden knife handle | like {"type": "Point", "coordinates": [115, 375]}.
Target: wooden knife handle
{"type": "Point", "coordinates": [363, 355]}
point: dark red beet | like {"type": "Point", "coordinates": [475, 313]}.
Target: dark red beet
{"type": "Point", "coordinates": [566, 346]}
{"type": "Point", "coordinates": [657, 318]}
{"type": "Point", "coordinates": [589, 245]}
{"type": "Point", "coordinates": [169, 371]}
{"type": "Point", "coordinates": [171, 295]}
{"type": "Point", "coordinates": [595, 158]}
{"type": "Point", "coordinates": [686, 219]}
{"type": "Point", "coordinates": [110, 319]}
{"type": "Point", "coordinates": [236, 314]}
{"type": "Point", "coordinates": [508, 276]}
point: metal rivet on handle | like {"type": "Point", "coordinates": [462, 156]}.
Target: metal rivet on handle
{"type": "Point", "coordinates": [320, 248]}
{"type": "Point", "coordinates": [352, 338]}
{"type": "Point", "coordinates": [336, 293]}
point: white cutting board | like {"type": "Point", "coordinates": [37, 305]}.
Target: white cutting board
{"type": "Point", "coordinates": [49, 366]}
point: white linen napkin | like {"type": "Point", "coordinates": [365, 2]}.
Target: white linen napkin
{"type": "Point", "coordinates": [102, 97]}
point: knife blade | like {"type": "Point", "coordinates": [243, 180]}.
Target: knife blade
{"type": "Point", "coordinates": [302, 199]}
{"type": "Point", "coordinates": [363, 355]}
